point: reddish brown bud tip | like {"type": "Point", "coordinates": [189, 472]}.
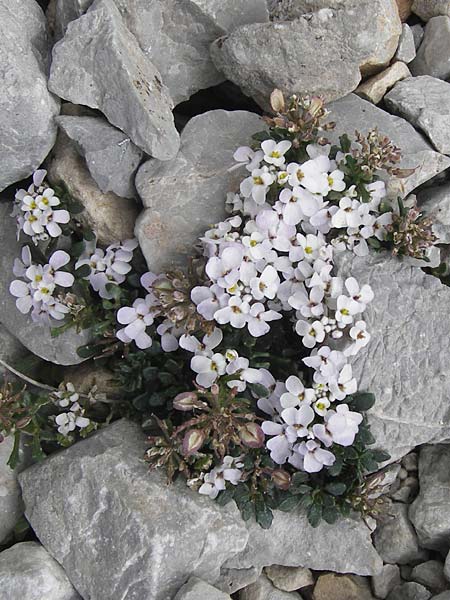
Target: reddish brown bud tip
{"type": "Point", "coordinates": [251, 435]}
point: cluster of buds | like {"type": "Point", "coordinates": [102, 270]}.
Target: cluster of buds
{"type": "Point", "coordinates": [377, 152]}
{"type": "Point", "coordinates": [411, 234]}
{"type": "Point", "coordinates": [303, 117]}
{"type": "Point", "coordinates": [13, 415]}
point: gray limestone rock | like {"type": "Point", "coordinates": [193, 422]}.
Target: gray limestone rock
{"type": "Point", "coordinates": [435, 202]}
{"type": "Point", "coordinates": [263, 589]}
{"type": "Point", "coordinates": [406, 50]}
{"type": "Point", "coordinates": [289, 579]}
{"type": "Point", "coordinates": [342, 587]}
{"type": "Point", "coordinates": [176, 34]}
{"type": "Point", "coordinates": [28, 571]}
{"type": "Point", "coordinates": [111, 157]}
{"type": "Point", "coordinates": [111, 217]}
{"type": "Point", "coordinates": [433, 55]}
{"type": "Point", "coordinates": [10, 349]}
{"type": "Point", "coordinates": [321, 52]}
{"type": "Point", "coordinates": [27, 109]}
{"type": "Point", "coordinates": [155, 535]}
{"type": "Point", "coordinates": [409, 591]}
{"type": "Point", "coordinates": [418, 32]}
{"type": "Point", "coordinates": [352, 113]}
{"type": "Point", "coordinates": [424, 102]}
{"type": "Point", "coordinates": [395, 538]}
{"type": "Point", "coordinates": [60, 350]}
{"type": "Point", "coordinates": [430, 512]}
{"type": "Point", "coordinates": [233, 580]}
{"type": "Point", "coordinates": [427, 9]}
{"type": "Point", "coordinates": [447, 567]}
{"type": "Point", "coordinates": [443, 596]}
{"type": "Point", "coordinates": [408, 306]}
{"type": "Point", "coordinates": [185, 196]}
{"type": "Point", "coordinates": [11, 508]}
{"type": "Point", "coordinates": [386, 581]}
{"type": "Point", "coordinates": [345, 547]}
{"type": "Point", "coordinates": [431, 575]}
{"type": "Point", "coordinates": [100, 64]}
{"type": "Point", "coordinates": [196, 589]}
{"type": "Point", "coordinates": [375, 88]}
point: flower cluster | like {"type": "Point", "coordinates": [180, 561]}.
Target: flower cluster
{"type": "Point", "coordinates": [41, 288]}
{"type": "Point", "coordinates": [36, 210]}
{"type": "Point", "coordinates": [66, 397]}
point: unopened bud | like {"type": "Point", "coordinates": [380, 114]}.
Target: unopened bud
{"type": "Point", "coordinates": [193, 441]}
{"type": "Point", "coordinates": [251, 435]}
{"type": "Point", "coordinates": [281, 479]}
{"type": "Point", "coordinates": [185, 401]}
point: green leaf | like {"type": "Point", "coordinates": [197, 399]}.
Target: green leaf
{"type": "Point", "coordinates": [363, 401]}
{"type": "Point", "coordinates": [368, 463]}
{"type": "Point", "coordinates": [263, 514]}
{"type": "Point", "coordinates": [314, 514]}
{"type": "Point", "coordinates": [299, 477]}
{"type": "Point", "coordinates": [330, 514]}
{"type": "Point", "coordinates": [259, 390]}
{"type": "Point", "coordinates": [345, 142]}
{"type": "Point", "coordinates": [225, 497]}
{"type": "Point", "coordinates": [89, 235]}
{"type": "Point", "coordinates": [289, 503]}
{"type": "Point", "coordinates": [336, 488]}
{"type": "Point", "coordinates": [87, 351]}
{"type": "Point", "coordinates": [302, 488]}
{"type": "Point", "coordinates": [336, 468]}
{"type": "Point", "coordinates": [13, 459]}
{"type": "Point", "coordinates": [83, 271]}
{"type": "Point", "coordinates": [261, 136]}
{"type": "Point", "coordinates": [247, 511]}
{"type": "Point", "coordinates": [380, 455]}
{"type": "Point", "coordinates": [77, 249]}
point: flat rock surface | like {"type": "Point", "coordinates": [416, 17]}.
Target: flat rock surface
{"type": "Point", "coordinates": [98, 55]}
{"type": "Point", "coordinates": [435, 202]}
{"type": "Point", "coordinates": [294, 53]}
{"type": "Point", "coordinates": [60, 350]}
{"type": "Point", "coordinates": [430, 511]}
{"type": "Point", "coordinates": [404, 362]}
{"type": "Point", "coordinates": [433, 55]}
{"type": "Point", "coordinates": [352, 113]}
{"type": "Point", "coordinates": [111, 157]}
{"type": "Point", "coordinates": [156, 535]}
{"type": "Point", "coordinates": [27, 109]}
{"type": "Point", "coordinates": [184, 197]}
{"type": "Point", "coordinates": [196, 589]}
{"type": "Point", "coordinates": [424, 102]}
{"type": "Point", "coordinates": [28, 571]}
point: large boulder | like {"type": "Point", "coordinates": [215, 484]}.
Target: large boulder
{"type": "Point", "coordinates": [122, 532]}
{"type": "Point", "coordinates": [430, 512]}
{"type": "Point", "coordinates": [319, 52]}
{"type": "Point", "coordinates": [27, 109]}
{"type": "Point", "coordinates": [433, 55]}
{"type": "Point", "coordinates": [404, 362]}
{"type": "Point", "coordinates": [352, 113]}
{"type": "Point", "coordinates": [176, 34]}
{"type": "Point", "coordinates": [62, 349]}
{"type": "Point", "coordinates": [424, 102]}
{"type": "Point", "coordinates": [427, 9]}
{"type": "Point", "coordinates": [185, 196]}
{"type": "Point", "coordinates": [100, 64]}
{"type": "Point", "coordinates": [28, 571]}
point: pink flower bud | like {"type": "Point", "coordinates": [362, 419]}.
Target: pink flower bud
{"type": "Point", "coordinates": [185, 401]}
{"type": "Point", "coordinates": [193, 441]}
{"type": "Point", "coordinates": [251, 435]}
{"type": "Point", "coordinates": [281, 479]}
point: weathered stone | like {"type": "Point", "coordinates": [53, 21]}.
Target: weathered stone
{"type": "Point", "coordinates": [407, 491]}
{"type": "Point", "coordinates": [427, 9]}
{"type": "Point", "coordinates": [430, 512]}
{"type": "Point", "coordinates": [395, 538]}
{"type": "Point", "coordinates": [28, 571]}
{"type": "Point", "coordinates": [435, 202]}
{"type": "Point", "coordinates": [342, 587]}
{"type": "Point", "coordinates": [233, 580]}
{"type": "Point", "coordinates": [409, 591]}
{"type": "Point", "coordinates": [196, 589]}
{"type": "Point", "coordinates": [411, 461]}
{"type": "Point", "coordinates": [431, 575]}
{"type": "Point", "coordinates": [447, 567]}
{"type": "Point", "coordinates": [406, 50]}
{"type": "Point", "coordinates": [89, 376]}
{"type": "Point", "coordinates": [408, 305]}
{"type": "Point", "coordinates": [156, 535]}
{"type": "Point", "coordinates": [345, 547]}
{"type": "Point", "coordinates": [11, 349]}
{"type": "Point", "coordinates": [375, 88]}
{"type": "Point", "coordinates": [433, 55]}
{"type": "Point", "coordinates": [443, 596]}
{"type": "Point", "coordinates": [66, 11]}
{"type": "Point", "coordinates": [293, 55]}
{"type": "Point", "coordinates": [404, 9]}
{"type": "Point", "coordinates": [176, 34]}
{"type": "Point", "coordinates": [27, 109]}
{"type": "Point", "coordinates": [352, 113]}
{"type": "Point", "coordinates": [386, 581]}
{"type": "Point", "coordinates": [99, 55]}
{"type": "Point", "coordinates": [418, 33]}
{"type": "Point", "coordinates": [60, 350]}
{"type": "Point", "coordinates": [111, 217]}
{"type": "Point", "coordinates": [289, 579]}
{"type": "Point", "coordinates": [262, 589]}
{"type": "Point", "coordinates": [111, 157]}
{"type": "Point", "coordinates": [11, 508]}
{"type": "Point", "coordinates": [185, 196]}
{"type": "Point", "coordinates": [424, 102]}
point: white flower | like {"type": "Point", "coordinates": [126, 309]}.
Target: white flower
{"type": "Point", "coordinates": [169, 335]}
{"type": "Point", "coordinates": [208, 368]}
{"type": "Point", "coordinates": [266, 285]}
{"type": "Point", "coordinates": [296, 394]}
{"type": "Point", "coordinates": [313, 333]}
{"type": "Point", "coordinates": [214, 481]}
{"type": "Point", "coordinates": [67, 422]}
{"type": "Point", "coordinates": [336, 181]}
{"type": "Point", "coordinates": [348, 214]}
{"type": "Point", "coordinates": [343, 425]}
{"type": "Point", "coordinates": [362, 295]}
{"type": "Point", "coordinates": [297, 420]}
{"type": "Point", "coordinates": [248, 157]}
{"type": "Point", "coordinates": [345, 383]}
{"type": "Point", "coordinates": [274, 152]}
{"type": "Point", "coordinates": [235, 313]}
{"type": "Point", "coordinates": [361, 336]}
{"type": "Point", "coordinates": [209, 300]}
{"type": "Point", "coordinates": [66, 395]}
{"type": "Point", "coordinates": [279, 446]}
{"type": "Point", "coordinates": [136, 318]}
{"type": "Point", "coordinates": [258, 318]}
{"type": "Point", "coordinates": [257, 185]}
{"type": "Point", "coordinates": [347, 308]}
{"type": "Point", "coordinates": [225, 269]}
{"type": "Point", "coordinates": [208, 343]}
{"type": "Point", "coordinates": [314, 457]}
{"type": "Point", "coordinates": [308, 305]}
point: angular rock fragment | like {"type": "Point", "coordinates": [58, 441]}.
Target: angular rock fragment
{"type": "Point", "coordinates": [185, 196]}
{"type": "Point", "coordinates": [404, 9]}
{"type": "Point", "coordinates": [431, 575]}
{"type": "Point", "coordinates": [11, 508]}
{"type": "Point", "coordinates": [156, 535]}
{"type": "Point", "coordinates": [395, 538]}
{"type": "Point", "coordinates": [424, 102]}
{"type": "Point", "coordinates": [196, 589]}
{"type": "Point", "coordinates": [262, 589]}
{"type": "Point", "coordinates": [111, 217]}
{"type": "Point", "coordinates": [230, 14]}
{"type": "Point", "coordinates": [386, 581]}
{"type": "Point", "coordinates": [342, 587]}
{"type": "Point", "coordinates": [289, 579]}
{"type": "Point", "coordinates": [418, 32]}
{"type": "Point", "coordinates": [111, 157]}
{"type": "Point", "coordinates": [374, 88]}
{"type": "Point", "coordinates": [10, 349]}
{"type": "Point", "coordinates": [427, 9]}
{"type": "Point", "coordinates": [430, 512]}
{"type": "Point", "coordinates": [99, 63]}
{"type": "Point", "coordinates": [406, 50]}
{"type": "Point", "coordinates": [61, 349]}
{"type": "Point", "coordinates": [233, 580]}
{"type": "Point", "coordinates": [435, 203]}
{"type": "Point", "coordinates": [409, 591]}
{"type": "Point", "coordinates": [27, 109]}
{"type": "Point", "coordinates": [352, 113]}
{"type": "Point", "coordinates": [433, 55]}
{"type": "Point", "coordinates": [408, 306]}
{"type": "Point", "coordinates": [28, 571]}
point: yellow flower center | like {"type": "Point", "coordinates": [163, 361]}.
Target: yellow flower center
{"type": "Point", "coordinates": [236, 309]}
{"type": "Point", "coordinates": [44, 290]}
{"type": "Point", "coordinates": [45, 200]}
{"type": "Point", "coordinates": [308, 250]}
{"type": "Point", "coordinates": [32, 218]}
{"type": "Point", "coordinates": [232, 288]}
{"type": "Point", "coordinates": [300, 174]}
{"type": "Point", "coordinates": [38, 278]}
{"type": "Point", "coordinates": [275, 154]}
{"type": "Point", "coordinates": [330, 181]}
{"type": "Point", "coordinates": [258, 181]}
{"type": "Point", "coordinates": [253, 243]}
{"type": "Point", "coordinates": [320, 405]}
{"type": "Point", "coordinates": [345, 311]}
